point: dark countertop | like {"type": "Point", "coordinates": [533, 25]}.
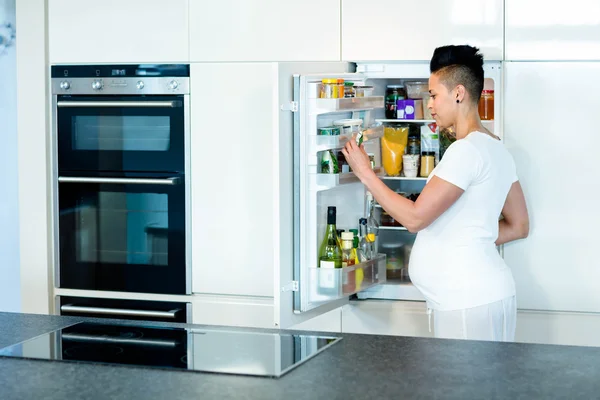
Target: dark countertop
{"type": "Point", "coordinates": [358, 367]}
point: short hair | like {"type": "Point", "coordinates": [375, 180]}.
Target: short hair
{"type": "Point", "coordinates": [459, 65]}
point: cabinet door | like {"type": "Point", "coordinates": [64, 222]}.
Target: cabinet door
{"type": "Point", "coordinates": [541, 30]}
{"type": "Point", "coordinates": [116, 31]}
{"type": "Point", "coordinates": [265, 30]}
{"type": "Point", "coordinates": [551, 129]}
{"type": "Point", "coordinates": [233, 180]}
{"type": "Point", "coordinates": [411, 30]}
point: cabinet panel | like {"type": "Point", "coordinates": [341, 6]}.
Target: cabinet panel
{"type": "Point", "coordinates": [382, 317]}
{"type": "Point", "coordinates": [132, 31]}
{"type": "Point", "coordinates": [540, 30]}
{"type": "Point", "coordinates": [233, 180]}
{"type": "Point", "coordinates": [411, 30]}
{"type": "Point", "coordinates": [265, 30]}
{"type": "Point", "coordinates": [551, 130]}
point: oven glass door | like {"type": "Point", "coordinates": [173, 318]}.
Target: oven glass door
{"type": "Point", "coordinates": [122, 234]}
{"type": "Point", "coordinates": [121, 133]}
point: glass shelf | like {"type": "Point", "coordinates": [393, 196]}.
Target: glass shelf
{"type": "Point", "coordinates": [323, 106]}
{"type": "Point", "coordinates": [325, 142]}
{"type": "Point", "coordinates": [414, 121]}
{"type": "Point", "coordinates": [343, 282]}
{"type": "Point", "coordinates": [402, 178]}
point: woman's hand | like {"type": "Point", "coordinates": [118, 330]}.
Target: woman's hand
{"type": "Point", "coordinates": [357, 159]}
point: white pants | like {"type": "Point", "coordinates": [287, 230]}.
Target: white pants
{"type": "Point", "coordinates": [494, 322]}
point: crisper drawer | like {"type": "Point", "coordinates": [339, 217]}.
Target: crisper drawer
{"type": "Point", "coordinates": [329, 284]}
{"type": "Point", "coordinates": [165, 311]}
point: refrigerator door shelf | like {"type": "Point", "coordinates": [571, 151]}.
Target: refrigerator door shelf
{"type": "Point", "coordinates": [321, 143]}
{"type": "Point", "coordinates": [335, 283]}
{"type": "Point", "coordinates": [330, 181]}
{"type": "Point", "coordinates": [325, 106]}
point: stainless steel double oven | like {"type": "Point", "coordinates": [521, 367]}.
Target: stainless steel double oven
{"type": "Point", "coordinates": [121, 141]}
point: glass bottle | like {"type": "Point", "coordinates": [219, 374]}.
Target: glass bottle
{"type": "Point", "coordinates": [355, 242]}
{"type": "Point", "coordinates": [330, 254]}
{"type": "Point", "coordinates": [363, 246]}
{"type": "Point", "coordinates": [347, 247]}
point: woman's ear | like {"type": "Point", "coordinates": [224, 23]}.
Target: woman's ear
{"type": "Point", "coordinates": [460, 93]}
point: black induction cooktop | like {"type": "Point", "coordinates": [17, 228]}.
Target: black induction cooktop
{"type": "Point", "coordinates": [190, 349]}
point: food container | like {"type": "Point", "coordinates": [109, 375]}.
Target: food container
{"type": "Point", "coordinates": [328, 89]}
{"type": "Point", "coordinates": [340, 90]}
{"type": "Point", "coordinates": [486, 105]}
{"type": "Point", "coordinates": [349, 126]}
{"type": "Point", "coordinates": [416, 90]}
{"type": "Point", "coordinates": [393, 93]}
{"type": "Point", "coordinates": [393, 143]}
{"type": "Point", "coordinates": [427, 163]}
{"type": "Point", "coordinates": [329, 131]}
{"type": "Point", "coordinates": [363, 91]}
{"type": "Point", "coordinates": [349, 90]}
{"type": "Point", "coordinates": [409, 109]}
{"type": "Point", "coordinates": [394, 259]}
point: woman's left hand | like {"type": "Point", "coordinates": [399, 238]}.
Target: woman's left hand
{"type": "Point", "coordinates": [357, 158]}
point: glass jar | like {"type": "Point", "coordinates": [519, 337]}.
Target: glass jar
{"type": "Point", "coordinates": [340, 88]}
{"type": "Point", "coordinates": [393, 93]}
{"type": "Point", "coordinates": [486, 105]}
{"type": "Point", "coordinates": [328, 89]}
{"type": "Point", "coordinates": [394, 259]}
{"type": "Point", "coordinates": [427, 163]}
{"type": "Point", "coordinates": [363, 91]}
{"type": "Point", "coordinates": [349, 126]}
{"type": "Point", "coordinates": [349, 89]}
{"type": "Point", "coordinates": [413, 147]}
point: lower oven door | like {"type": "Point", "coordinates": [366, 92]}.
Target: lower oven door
{"type": "Point", "coordinates": [123, 233]}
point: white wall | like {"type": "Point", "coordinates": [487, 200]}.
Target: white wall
{"type": "Point", "coordinates": [9, 212]}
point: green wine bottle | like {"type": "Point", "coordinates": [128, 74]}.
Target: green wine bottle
{"type": "Point", "coordinates": [330, 253]}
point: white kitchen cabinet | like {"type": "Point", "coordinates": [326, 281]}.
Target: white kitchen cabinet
{"type": "Point", "coordinates": [550, 127]}
{"type": "Point", "coordinates": [541, 30]}
{"type": "Point", "coordinates": [411, 30]}
{"type": "Point", "coordinates": [386, 317]}
{"type": "Point", "coordinates": [115, 31]}
{"type": "Point", "coordinates": [328, 322]}
{"type": "Point", "coordinates": [233, 166]}
{"type": "Point", "coordinates": [265, 30]}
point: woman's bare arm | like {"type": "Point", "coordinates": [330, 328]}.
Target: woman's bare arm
{"type": "Point", "coordinates": [515, 224]}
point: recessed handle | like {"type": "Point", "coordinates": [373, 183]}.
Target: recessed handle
{"type": "Point", "coordinates": [120, 181]}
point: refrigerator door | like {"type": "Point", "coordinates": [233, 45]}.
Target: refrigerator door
{"type": "Point", "coordinates": [315, 191]}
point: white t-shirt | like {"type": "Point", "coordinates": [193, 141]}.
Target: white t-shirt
{"type": "Point", "coordinates": [454, 261]}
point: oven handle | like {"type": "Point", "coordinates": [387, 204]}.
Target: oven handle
{"type": "Point", "coordinates": [120, 181]}
{"type": "Point", "coordinates": [119, 311]}
{"type": "Point", "coordinates": [151, 104]}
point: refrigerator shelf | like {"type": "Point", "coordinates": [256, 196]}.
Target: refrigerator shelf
{"type": "Point", "coordinates": [414, 121]}
{"type": "Point", "coordinates": [402, 178]}
{"type": "Point", "coordinates": [330, 181]}
{"type": "Point", "coordinates": [392, 228]}
{"type": "Point", "coordinates": [342, 282]}
{"type": "Point", "coordinates": [321, 142]}
{"type": "Point", "coordinates": [324, 106]}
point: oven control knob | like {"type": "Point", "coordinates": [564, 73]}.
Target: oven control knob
{"type": "Point", "coordinates": [173, 85]}
{"type": "Point", "coordinates": [64, 85]}
{"type": "Point", "coordinates": [140, 85]}
{"type": "Point", "coordinates": [97, 85]}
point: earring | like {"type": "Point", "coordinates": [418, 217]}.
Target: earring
{"type": "Point", "coordinates": [457, 101]}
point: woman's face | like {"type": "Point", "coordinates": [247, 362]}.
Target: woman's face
{"type": "Point", "coordinates": [442, 103]}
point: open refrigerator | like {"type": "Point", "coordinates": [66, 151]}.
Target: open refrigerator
{"type": "Point", "coordinates": [314, 191]}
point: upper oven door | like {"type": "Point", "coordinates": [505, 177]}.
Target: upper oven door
{"type": "Point", "coordinates": [121, 133]}
{"type": "Point", "coordinates": [123, 233]}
